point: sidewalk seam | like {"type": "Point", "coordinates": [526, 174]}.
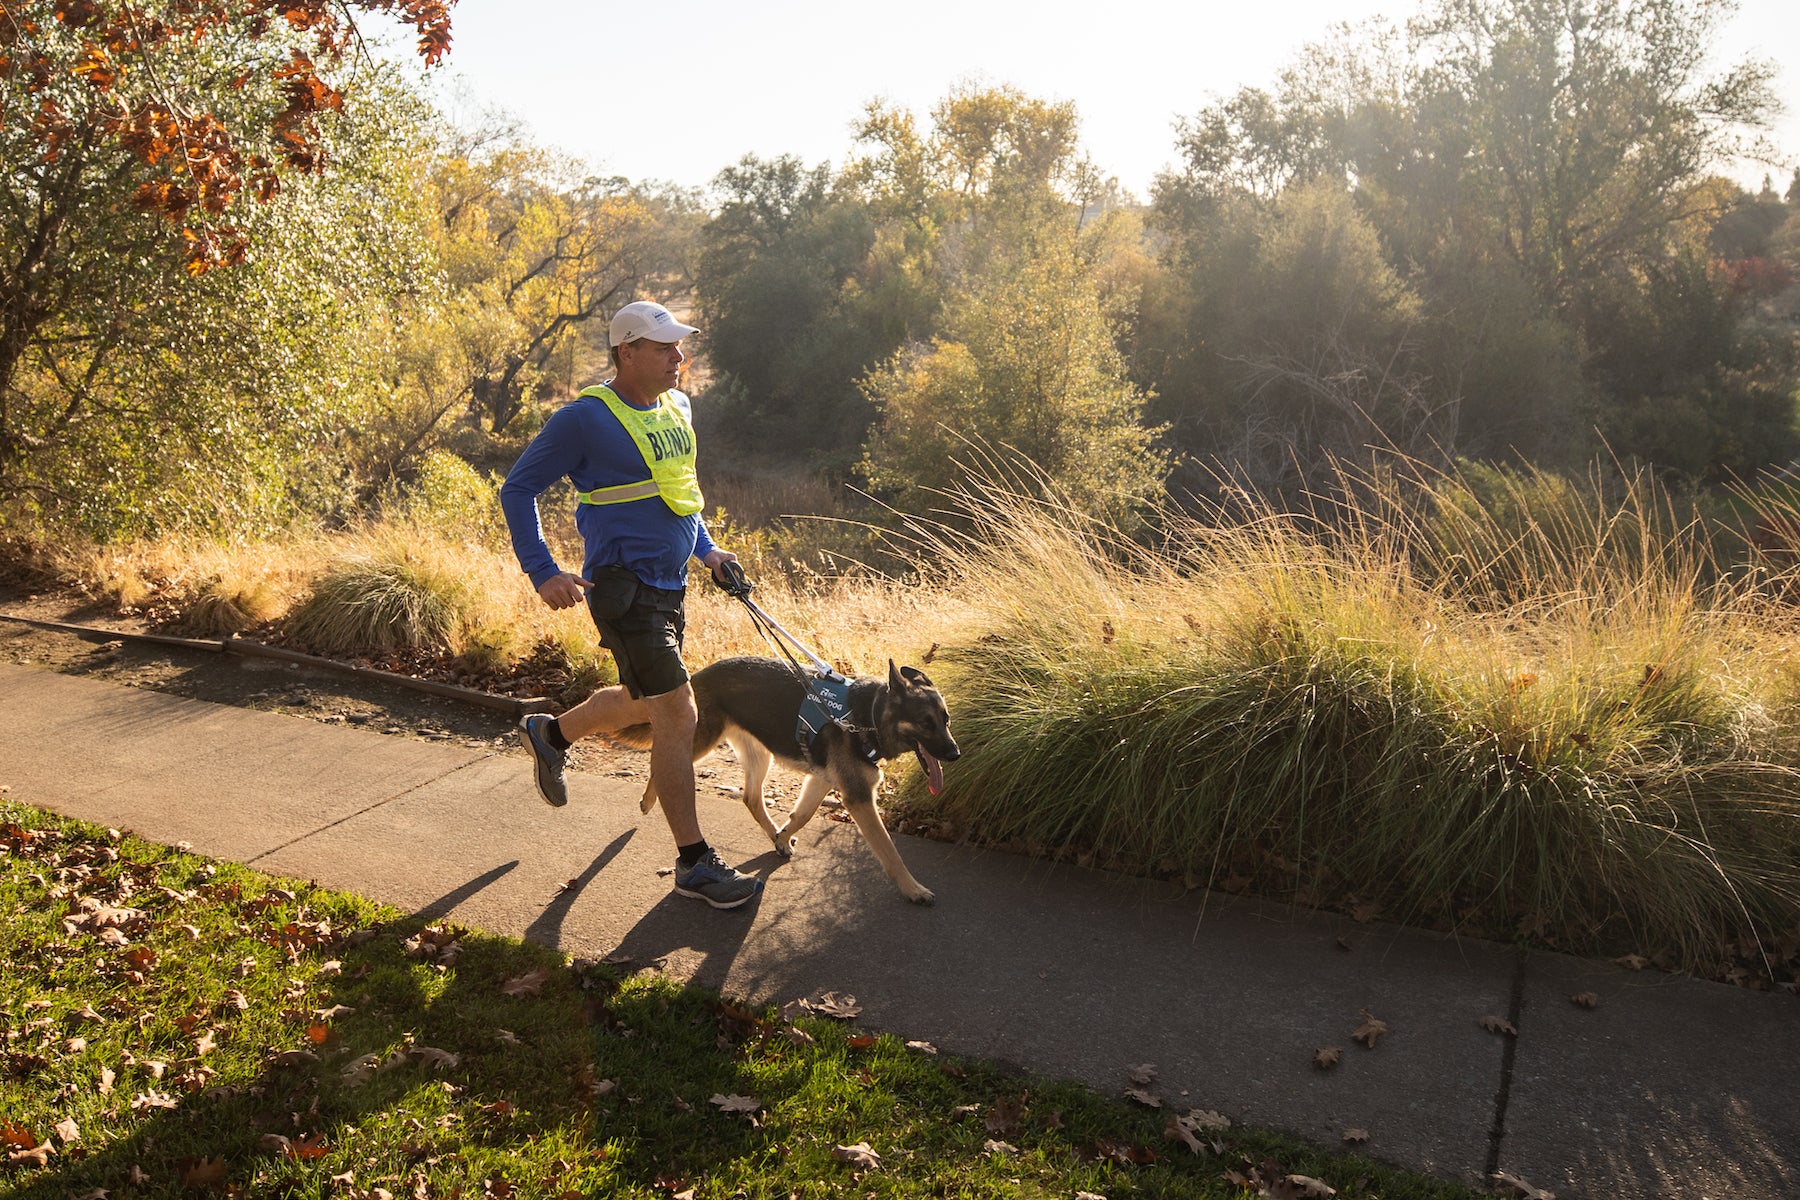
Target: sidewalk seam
{"type": "Point", "coordinates": [400, 795]}
{"type": "Point", "coordinates": [1502, 1097]}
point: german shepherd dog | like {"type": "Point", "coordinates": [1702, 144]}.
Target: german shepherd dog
{"type": "Point", "coordinates": [754, 705]}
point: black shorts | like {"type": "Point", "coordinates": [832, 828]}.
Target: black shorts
{"type": "Point", "coordinates": [642, 627]}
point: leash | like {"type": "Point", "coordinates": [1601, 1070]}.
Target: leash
{"type": "Point", "coordinates": [738, 586]}
{"type": "Point", "coordinates": [825, 686]}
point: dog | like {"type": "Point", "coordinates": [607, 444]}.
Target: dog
{"type": "Point", "coordinates": [754, 705]}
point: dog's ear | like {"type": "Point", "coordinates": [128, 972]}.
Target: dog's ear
{"type": "Point", "coordinates": [906, 678]}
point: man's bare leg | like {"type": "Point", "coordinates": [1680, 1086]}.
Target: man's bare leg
{"type": "Point", "coordinates": [608, 709]}
{"type": "Point", "coordinates": [672, 717]}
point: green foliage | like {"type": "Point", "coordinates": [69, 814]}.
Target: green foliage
{"type": "Point", "coordinates": [213, 401]}
{"type": "Point", "coordinates": [447, 493]}
{"type": "Point", "coordinates": [533, 247]}
{"type": "Point", "coordinates": [781, 280]}
{"type": "Point", "coordinates": [1539, 175]}
{"type": "Point", "coordinates": [1293, 343]}
{"type": "Point", "coordinates": [1027, 365]}
{"type": "Point", "coordinates": [1587, 743]}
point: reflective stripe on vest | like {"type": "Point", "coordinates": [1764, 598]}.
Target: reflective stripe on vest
{"type": "Point", "coordinates": [665, 437]}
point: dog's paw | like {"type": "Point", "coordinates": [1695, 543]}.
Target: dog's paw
{"type": "Point", "coordinates": [784, 845]}
{"type": "Point", "coordinates": [647, 803]}
{"type": "Point", "coordinates": [918, 893]}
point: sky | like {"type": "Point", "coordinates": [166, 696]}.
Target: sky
{"type": "Point", "coordinates": [678, 91]}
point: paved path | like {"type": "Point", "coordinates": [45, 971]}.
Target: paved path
{"type": "Point", "coordinates": [1671, 1087]}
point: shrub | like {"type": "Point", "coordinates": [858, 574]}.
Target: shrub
{"type": "Point", "coordinates": [1599, 758]}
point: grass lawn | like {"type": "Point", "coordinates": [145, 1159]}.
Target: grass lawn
{"type": "Point", "coordinates": [172, 1026]}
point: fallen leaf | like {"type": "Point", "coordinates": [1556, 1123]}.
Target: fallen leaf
{"type": "Point", "coordinates": [1586, 999]}
{"type": "Point", "coordinates": [922, 1047]}
{"type": "Point", "coordinates": [1634, 962]}
{"type": "Point", "coordinates": [35, 1156]}
{"type": "Point", "coordinates": [1144, 1075]}
{"type": "Point", "coordinates": [1005, 1114]}
{"type": "Point", "coordinates": [529, 984]}
{"type": "Point", "coordinates": [152, 1099]}
{"type": "Point", "coordinates": [361, 1070]}
{"type": "Point", "coordinates": [334, 1012]}
{"type": "Point", "coordinates": [68, 1130]}
{"type": "Point", "coordinates": [207, 1173]}
{"type": "Point", "coordinates": [860, 1041]}
{"type": "Point", "coordinates": [1518, 1187]}
{"type": "Point", "coordinates": [204, 1043]}
{"type": "Point", "coordinates": [507, 1037]}
{"type": "Point", "coordinates": [799, 1036]}
{"type": "Point", "coordinates": [1356, 1137]}
{"type": "Point", "coordinates": [1370, 1030]}
{"type": "Point", "coordinates": [1326, 1057]}
{"type": "Point", "coordinates": [237, 1000]}
{"type": "Point", "coordinates": [330, 968]}
{"type": "Point", "coordinates": [833, 1005]}
{"type": "Point", "coordinates": [106, 1081]}
{"type": "Point", "coordinates": [992, 1148]}
{"type": "Point", "coordinates": [1207, 1119]}
{"type": "Point", "coordinates": [735, 1103]}
{"type": "Point", "coordinates": [1089, 1196]}
{"type": "Point", "coordinates": [274, 1143]}
{"type": "Point", "coordinates": [431, 1056]}
{"type": "Point", "coordinates": [1144, 1098]}
{"type": "Point", "coordinates": [308, 1146]}
{"type": "Point", "coordinates": [1178, 1130]}
{"type": "Point", "coordinates": [1499, 1025]}
{"type": "Point", "coordinates": [964, 1110]}
{"type": "Point", "coordinates": [16, 1137]}
{"type": "Point", "coordinates": [1301, 1187]}
{"type": "Point", "coordinates": [861, 1156]}
{"type": "Point", "coordinates": [294, 1058]}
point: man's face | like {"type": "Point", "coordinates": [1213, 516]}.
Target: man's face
{"type": "Point", "coordinates": [653, 367]}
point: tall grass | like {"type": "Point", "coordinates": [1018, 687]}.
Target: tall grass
{"type": "Point", "coordinates": [1453, 716]}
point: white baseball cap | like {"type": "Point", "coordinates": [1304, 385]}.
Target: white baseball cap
{"type": "Point", "coordinates": [646, 319]}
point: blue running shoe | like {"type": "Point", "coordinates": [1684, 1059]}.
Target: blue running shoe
{"type": "Point", "coordinates": [711, 880]}
{"type": "Point", "coordinates": [550, 783]}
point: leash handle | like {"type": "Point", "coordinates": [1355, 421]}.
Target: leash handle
{"type": "Point", "coordinates": [731, 577]}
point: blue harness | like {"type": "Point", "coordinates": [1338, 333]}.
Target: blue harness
{"type": "Point", "coordinates": [828, 702]}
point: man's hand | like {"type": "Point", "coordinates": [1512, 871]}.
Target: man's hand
{"type": "Point", "coordinates": [712, 561]}
{"type": "Point", "coordinates": [563, 590]}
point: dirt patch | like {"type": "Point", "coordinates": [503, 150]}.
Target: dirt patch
{"type": "Point", "coordinates": [272, 686]}
{"type": "Point", "coordinates": [297, 690]}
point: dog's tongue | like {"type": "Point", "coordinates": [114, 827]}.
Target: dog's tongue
{"type": "Point", "coordinates": [934, 774]}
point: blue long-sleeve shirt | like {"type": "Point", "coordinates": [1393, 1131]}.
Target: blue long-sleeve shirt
{"type": "Point", "coordinates": [585, 443]}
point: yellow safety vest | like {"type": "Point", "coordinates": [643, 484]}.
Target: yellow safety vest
{"type": "Point", "coordinates": [665, 437]}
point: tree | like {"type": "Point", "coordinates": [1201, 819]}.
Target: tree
{"type": "Point", "coordinates": [1522, 162]}
{"type": "Point", "coordinates": [137, 140]}
{"type": "Point", "coordinates": [1026, 362]}
{"type": "Point", "coordinates": [791, 321]}
{"type": "Point", "coordinates": [532, 247]}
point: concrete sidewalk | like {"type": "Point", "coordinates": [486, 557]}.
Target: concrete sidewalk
{"type": "Point", "coordinates": [1670, 1087]}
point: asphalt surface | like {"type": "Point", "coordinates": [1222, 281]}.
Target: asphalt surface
{"type": "Point", "coordinates": [1668, 1087]}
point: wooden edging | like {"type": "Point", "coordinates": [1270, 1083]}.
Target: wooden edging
{"type": "Point", "coordinates": [512, 705]}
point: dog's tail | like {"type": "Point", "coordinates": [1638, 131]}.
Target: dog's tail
{"type": "Point", "coordinates": [637, 737]}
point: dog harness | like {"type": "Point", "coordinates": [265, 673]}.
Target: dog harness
{"type": "Point", "coordinates": [665, 437]}
{"type": "Point", "coordinates": [828, 702]}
